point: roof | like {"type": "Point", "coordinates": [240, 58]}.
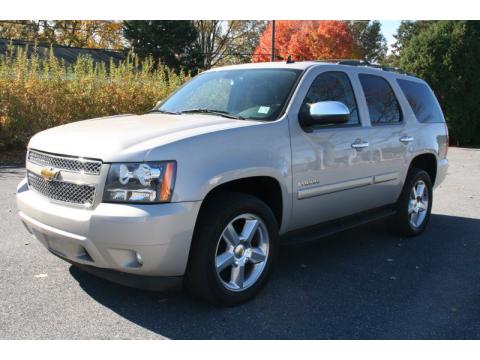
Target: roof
{"type": "Point", "coordinates": [303, 65]}
{"type": "Point", "coordinates": [300, 65]}
{"type": "Point", "coordinates": [68, 54]}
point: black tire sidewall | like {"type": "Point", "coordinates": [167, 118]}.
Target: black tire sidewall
{"type": "Point", "coordinates": [402, 212]}
{"type": "Point", "coordinates": [217, 216]}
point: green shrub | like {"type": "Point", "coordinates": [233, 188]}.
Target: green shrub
{"type": "Point", "coordinates": [36, 93]}
{"type": "Point", "coordinates": [446, 54]}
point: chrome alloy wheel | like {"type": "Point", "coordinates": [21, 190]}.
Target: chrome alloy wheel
{"type": "Point", "coordinates": [242, 252]}
{"type": "Point", "coordinates": [418, 204]}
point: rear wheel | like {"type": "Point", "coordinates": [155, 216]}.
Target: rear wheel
{"type": "Point", "coordinates": [233, 249]}
{"type": "Point", "coordinates": [415, 203]}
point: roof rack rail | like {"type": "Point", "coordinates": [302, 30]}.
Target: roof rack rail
{"type": "Point", "coordinates": [376, 66]}
{"type": "Point", "coordinates": [336, 61]}
{"type": "Point", "coordinates": [353, 62]}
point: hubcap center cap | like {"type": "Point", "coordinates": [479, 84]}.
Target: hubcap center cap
{"type": "Point", "coordinates": [239, 251]}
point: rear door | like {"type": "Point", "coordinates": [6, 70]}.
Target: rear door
{"type": "Point", "coordinates": [388, 133]}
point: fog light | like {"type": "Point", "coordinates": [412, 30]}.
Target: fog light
{"type": "Point", "coordinates": [139, 258]}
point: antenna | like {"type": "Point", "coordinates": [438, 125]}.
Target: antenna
{"type": "Point", "coordinates": [289, 59]}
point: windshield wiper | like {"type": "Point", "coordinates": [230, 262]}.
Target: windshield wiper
{"type": "Point", "coordinates": [163, 112]}
{"type": "Point", "coordinates": [214, 112]}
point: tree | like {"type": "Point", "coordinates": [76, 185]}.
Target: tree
{"type": "Point", "coordinates": [79, 33]}
{"type": "Point", "coordinates": [230, 41]}
{"type": "Point", "coordinates": [284, 31]}
{"type": "Point", "coordinates": [86, 33]}
{"type": "Point", "coordinates": [172, 42]}
{"type": "Point", "coordinates": [20, 29]}
{"type": "Point", "coordinates": [446, 55]}
{"type": "Point", "coordinates": [307, 40]}
{"type": "Point", "coordinates": [406, 31]}
{"type": "Point", "coordinates": [369, 39]}
{"type": "Point", "coordinates": [241, 48]}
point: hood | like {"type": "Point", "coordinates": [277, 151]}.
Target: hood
{"type": "Point", "coordinates": [127, 137]}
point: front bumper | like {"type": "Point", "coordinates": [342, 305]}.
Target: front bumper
{"type": "Point", "coordinates": [109, 236]}
{"type": "Point", "coordinates": [152, 283]}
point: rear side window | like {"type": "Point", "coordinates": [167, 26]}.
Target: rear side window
{"type": "Point", "coordinates": [422, 101]}
{"type": "Point", "coordinates": [382, 104]}
{"type": "Point", "coordinates": [332, 86]}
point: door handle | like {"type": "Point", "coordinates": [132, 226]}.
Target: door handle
{"type": "Point", "coordinates": [358, 145]}
{"type": "Point", "coordinates": [406, 139]}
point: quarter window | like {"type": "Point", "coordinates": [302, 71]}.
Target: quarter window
{"type": "Point", "coordinates": [382, 104]}
{"type": "Point", "coordinates": [331, 86]}
{"type": "Point", "coordinates": [422, 101]}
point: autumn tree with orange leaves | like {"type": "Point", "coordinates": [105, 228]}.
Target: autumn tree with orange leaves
{"type": "Point", "coordinates": [307, 40]}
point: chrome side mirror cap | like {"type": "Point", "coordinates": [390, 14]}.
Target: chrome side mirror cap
{"type": "Point", "coordinates": [327, 112]}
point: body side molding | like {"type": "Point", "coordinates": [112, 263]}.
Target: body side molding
{"type": "Point", "coordinates": [385, 177]}
{"type": "Point", "coordinates": [331, 188]}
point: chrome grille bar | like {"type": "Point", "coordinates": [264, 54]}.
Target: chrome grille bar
{"type": "Point", "coordinates": [62, 191]}
{"type": "Point", "coordinates": [72, 164]}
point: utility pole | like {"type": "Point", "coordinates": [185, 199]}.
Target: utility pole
{"type": "Point", "coordinates": [273, 41]}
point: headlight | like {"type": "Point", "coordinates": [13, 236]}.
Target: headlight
{"type": "Point", "coordinates": [140, 182]}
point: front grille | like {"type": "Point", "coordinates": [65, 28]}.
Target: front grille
{"type": "Point", "coordinates": [73, 164]}
{"type": "Point", "coordinates": [62, 191]}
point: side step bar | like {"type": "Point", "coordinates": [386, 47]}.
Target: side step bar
{"type": "Point", "coordinates": [317, 232]}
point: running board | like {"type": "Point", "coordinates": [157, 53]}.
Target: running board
{"type": "Point", "coordinates": [317, 232]}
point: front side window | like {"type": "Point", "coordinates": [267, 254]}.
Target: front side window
{"type": "Point", "coordinates": [382, 104]}
{"type": "Point", "coordinates": [251, 94]}
{"type": "Point", "coordinates": [422, 101]}
{"type": "Point", "coordinates": [331, 86]}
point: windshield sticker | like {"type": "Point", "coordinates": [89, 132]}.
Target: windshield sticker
{"type": "Point", "coordinates": [263, 109]}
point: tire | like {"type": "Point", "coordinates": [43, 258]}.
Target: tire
{"type": "Point", "coordinates": [409, 206]}
{"type": "Point", "coordinates": [215, 247]}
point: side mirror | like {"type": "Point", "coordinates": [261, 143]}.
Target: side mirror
{"type": "Point", "coordinates": [327, 112]}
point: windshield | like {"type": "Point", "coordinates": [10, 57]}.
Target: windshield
{"type": "Point", "coordinates": [250, 94]}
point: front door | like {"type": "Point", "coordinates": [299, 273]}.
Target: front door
{"type": "Point", "coordinates": [332, 165]}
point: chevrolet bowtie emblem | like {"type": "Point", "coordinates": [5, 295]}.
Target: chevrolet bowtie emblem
{"type": "Point", "coordinates": [49, 173]}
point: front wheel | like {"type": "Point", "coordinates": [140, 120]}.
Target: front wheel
{"type": "Point", "coordinates": [415, 203]}
{"type": "Point", "coordinates": [233, 249]}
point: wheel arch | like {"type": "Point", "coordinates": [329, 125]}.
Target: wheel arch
{"type": "Point", "coordinates": [266, 188]}
{"type": "Point", "coordinates": [427, 162]}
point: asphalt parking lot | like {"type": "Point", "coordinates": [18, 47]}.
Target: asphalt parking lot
{"type": "Point", "coordinates": [362, 284]}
